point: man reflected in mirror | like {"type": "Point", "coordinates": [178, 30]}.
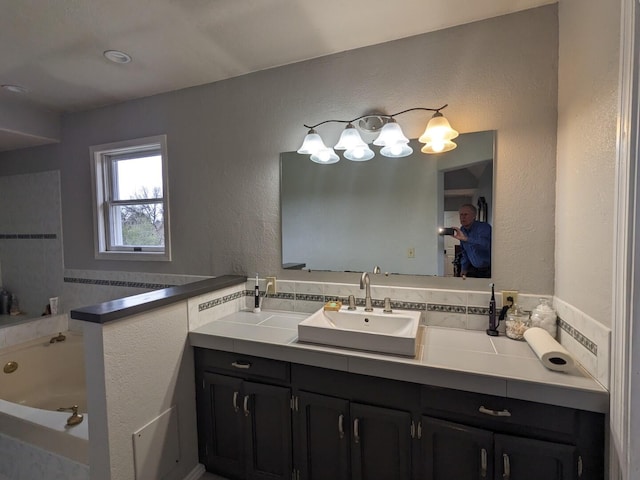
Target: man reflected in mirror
{"type": "Point", "coordinates": [475, 243]}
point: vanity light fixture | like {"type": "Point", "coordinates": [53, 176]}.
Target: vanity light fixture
{"type": "Point", "coordinates": [394, 144]}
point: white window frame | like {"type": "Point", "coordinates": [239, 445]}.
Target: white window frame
{"type": "Point", "coordinates": [102, 173]}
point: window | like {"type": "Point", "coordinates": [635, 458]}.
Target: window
{"type": "Point", "coordinates": [131, 211]}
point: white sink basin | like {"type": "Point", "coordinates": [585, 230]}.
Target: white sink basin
{"type": "Point", "coordinates": [373, 331]}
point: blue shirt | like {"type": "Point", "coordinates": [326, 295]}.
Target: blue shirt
{"type": "Point", "coordinates": [476, 250]}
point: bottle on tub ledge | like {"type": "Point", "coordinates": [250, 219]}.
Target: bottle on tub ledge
{"type": "Point", "coordinates": [5, 302]}
{"type": "Point", "coordinates": [14, 309]}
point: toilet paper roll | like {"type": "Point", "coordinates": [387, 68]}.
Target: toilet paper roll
{"type": "Point", "coordinates": [552, 355]}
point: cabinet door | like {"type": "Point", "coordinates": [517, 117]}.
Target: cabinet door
{"type": "Point", "coordinates": [454, 451]}
{"type": "Point", "coordinates": [322, 437]}
{"type": "Point", "coordinates": [519, 458]}
{"type": "Point", "coordinates": [381, 443]}
{"type": "Point", "coordinates": [268, 442]}
{"type": "Point", "coordinates": [220, 425]}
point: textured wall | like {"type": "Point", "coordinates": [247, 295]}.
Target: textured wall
{"type": "Point", "coordinates": [224, 141]}
{"type": "Point", "coordinates": [587, 122]}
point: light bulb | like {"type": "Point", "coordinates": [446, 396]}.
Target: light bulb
{"type": "Point", "coordinates": [437, 145]}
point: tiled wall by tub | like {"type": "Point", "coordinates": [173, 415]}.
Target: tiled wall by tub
{"type": "Point", "coordinates": [89, 287]}
{"type": "Point", "coordinates": [32, 329]}
{"type": "Point", "coordinates": [31, 239]}
{"type": "Point", "coordinates": [22, 460]}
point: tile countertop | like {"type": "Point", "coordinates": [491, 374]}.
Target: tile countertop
{"type": "Point", "coordinates": [446, 357]}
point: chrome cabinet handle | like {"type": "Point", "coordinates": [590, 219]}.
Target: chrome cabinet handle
{"type": "Point", "coordinates": [483, 463]}
{"type": "Point", "coordinates": [356, 431]}
{"type": "Point", "coordinates": [246, 405]}
{"type": "Point", "coordinates": [506, 466]}
{"type": "Point", "coordinates": [495, 413]}
{"type": "Point", "coordinates": [341, 426]}
{"type": "Point", "coordinates": [235, 402]}
{"type": "Point", "coordinates": [241, 364]}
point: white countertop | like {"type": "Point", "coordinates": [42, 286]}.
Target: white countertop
{"type": "Point", "coordinates": [447, 357]}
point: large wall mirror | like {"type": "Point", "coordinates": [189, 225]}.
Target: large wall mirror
{"type": "Point", "coordinates": [352, 216]}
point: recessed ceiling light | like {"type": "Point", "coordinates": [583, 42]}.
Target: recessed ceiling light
{"type": "Point", "coordinates": [15, 88]}
{"type": "Point", "coordinates": [117, 56]}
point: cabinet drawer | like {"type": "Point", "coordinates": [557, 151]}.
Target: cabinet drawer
{"type": "Point", "coordinates": [245, 366]}
{"type": "Point", "coordinates": [499, 413]}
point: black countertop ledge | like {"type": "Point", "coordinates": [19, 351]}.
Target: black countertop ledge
{"type": "Point", "coordinates": [125, 307]}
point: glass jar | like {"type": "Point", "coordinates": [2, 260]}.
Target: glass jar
{"type": "Point", "coordinates": [544, 316]}
{"type": "Point", "coordinates": [517, 323]}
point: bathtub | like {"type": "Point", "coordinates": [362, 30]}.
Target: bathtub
{"type": "Point", "coordinates": [48, 376]}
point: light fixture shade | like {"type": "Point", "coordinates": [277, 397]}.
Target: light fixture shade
{"type": "Point", "coordinates": [397, 150]}
{"type": "Point", "coordinates": [359, 153]}
{"type": "Point", "coordinates": [325, 156]}
{"type": "Point", "coordinates": [439, 147]}
{"type": "Point", "coordinates": [438, 130]}
{"type": "Point", "coordinates": [349, 138]}
{"type": "Point", "coordinates": [312, 143]}
{"type": "Point", "coordinates": [390, 134]}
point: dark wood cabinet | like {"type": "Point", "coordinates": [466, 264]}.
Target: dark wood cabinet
{"type": "Point", "coordinates": [382, 440]}
{"type": "Point", "coordinates": [244, 428]}
{"type": "Point", "coordinates": [451, 450]}
{"type": "Point", "coordinates": [262, 419]}
{"type": "Point", "coordinates": [322, 437]}
{"type": "Point", "coordinates": [521, 458]}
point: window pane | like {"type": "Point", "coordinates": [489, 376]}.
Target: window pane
{"type": "Point", "coordinates": [137, 178]}
{"type": "Point", "coordinates": [139, 225]}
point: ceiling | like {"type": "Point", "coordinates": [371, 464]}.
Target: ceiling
{"type": "Point", "coordinates": [54, 49]}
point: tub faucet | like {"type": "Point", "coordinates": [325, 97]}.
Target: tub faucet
{"type": "Point", "coordinates": [58, 338]}
{"type": "Point", "coordinates": [75, 417]}
{"type": "Point", "coordinates": [365, 283]}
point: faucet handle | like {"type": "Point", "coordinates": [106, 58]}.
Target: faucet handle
{"type": "Point", "coordinates": [387, 305]}
{"type": "Point", "coordinates": [352, 303]}
{"type": "Point", "coordinates": [376, 269]}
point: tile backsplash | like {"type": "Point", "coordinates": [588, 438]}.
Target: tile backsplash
{"type": "Point", "coordinates": [587, 339]}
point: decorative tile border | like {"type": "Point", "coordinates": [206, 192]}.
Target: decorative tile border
{"type": "Point", "coordinates": [579, 337]}
{"type": "Point", "coordinates": [434, 307]}
{"type": "Point", "coordinates": [221, 300]}
{"type": "Point", "coordinates": [28, 236]}
{"type": "Point", "coordinates": [478, 311]}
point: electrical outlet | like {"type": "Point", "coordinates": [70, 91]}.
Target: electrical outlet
{"type": "Point", "coordinates": [509, 297]}
{"type": "Point", "coordinates": [271, 289]}
{"type": "Point", "coordinates": [411, 252]}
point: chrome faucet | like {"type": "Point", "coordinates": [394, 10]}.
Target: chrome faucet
{"type": "Point", "coordinates": [365, 284]}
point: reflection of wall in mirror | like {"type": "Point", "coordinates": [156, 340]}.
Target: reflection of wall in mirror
{"type": "Point", "coordinates": [350, 216]}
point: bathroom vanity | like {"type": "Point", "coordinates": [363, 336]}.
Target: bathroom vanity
{"type": "Point", "coordinates": [272, 408]}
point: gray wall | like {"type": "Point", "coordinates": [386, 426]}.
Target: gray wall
{"type": "Point", "coordinates": [587, 123]}
{"type": "Point", "coordinates": [224, 141]}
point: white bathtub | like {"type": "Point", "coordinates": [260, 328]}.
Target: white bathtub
{"type": "Point", "coordinates": [48, 376]}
